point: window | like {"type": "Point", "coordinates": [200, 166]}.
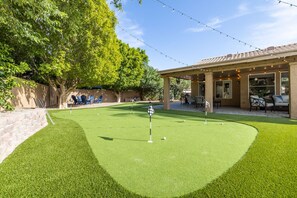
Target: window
{"type": "Point", "coordinates": [284, 83]}
{"type": "Point", "coordinates": [262, 84]}
{"type": "Point", "coordinates": [224, 89]}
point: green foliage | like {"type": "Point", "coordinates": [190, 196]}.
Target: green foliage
{"type": "Point", "coordinates": [86, 53]}
{"type": "Point", "coordinates": [118, 3]}
{"type": "Point", "coordinates": [26, 27]}
{"type": "Point", "coordinates": [66, 43]}
{"type": "Point", "coordinates": [177, 86]}
{"type": "Point", "coordinates": [8, 69]}
{"type": "Point", "coordinates": [131, 68]}
{"type": "Point", "coordinates": [151, 84]}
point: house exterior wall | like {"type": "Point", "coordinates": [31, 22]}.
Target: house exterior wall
{"type": "Point", "coordinates": [235, 100]}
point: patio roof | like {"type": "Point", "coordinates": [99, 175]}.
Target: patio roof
{"type": "Point", "coordinates": [271, 55]}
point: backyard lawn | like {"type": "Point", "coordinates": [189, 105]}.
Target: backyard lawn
{"type": "Point", "coordinates": [103, 152]}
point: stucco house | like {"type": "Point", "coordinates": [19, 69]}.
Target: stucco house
{"type": "Point", "coordinates": [233, 78]}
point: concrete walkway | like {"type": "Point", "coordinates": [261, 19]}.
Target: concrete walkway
{"type": "Point", "coordinates": [226, 110]}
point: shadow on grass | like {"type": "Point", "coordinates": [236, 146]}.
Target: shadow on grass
{"type": "Point", "coordinates": [122, 139]}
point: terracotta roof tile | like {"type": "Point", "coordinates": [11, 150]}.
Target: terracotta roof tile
{"type": "Point", "coordinates": [251, 54]}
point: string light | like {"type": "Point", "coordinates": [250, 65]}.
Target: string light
{"type": "Point", "coordinates": [290, 4]}
{"type": "Point", "coordinates": [206, 25]}
{"type": "Point", "coordinates": [150, 46]}
{"type": "Point", "coordinates": [216, 30]}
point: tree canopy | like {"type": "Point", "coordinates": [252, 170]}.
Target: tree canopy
{"type": "Point", "coordinates": [66, 43]}
{"type": "Point", "coordinates": [131, 69]}
{"type": "Point", "coordinates": [151, 84]}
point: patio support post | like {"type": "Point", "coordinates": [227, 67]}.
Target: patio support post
{"type": "Point", "coordinates": [194, 86]}
{"type": "Point", "coordinates": [166, 93]}
{"type": "Point", "coordinates": [293, 89]}
{"type": "Point", "coordinates": [209, 89]}
{"type": "Point", "coordinates": [244, 91]}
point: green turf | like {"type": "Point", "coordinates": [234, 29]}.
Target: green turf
{"type": "Point", "coordinates": [194, 154]}
{"type": "Point", "coordinates": [58, 161]}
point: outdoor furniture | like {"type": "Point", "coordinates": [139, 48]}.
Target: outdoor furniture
{"type": "Point", "coordinates": [84, 99]}
{"type": "Point", "coordinates": [79, 100]}
{"type": "Point", "coordinates": [216, 103]}
{"type": "Point", "coordinates": [200, 101]}
{"type": "Point", "coordinates": [280, 102]}
{"type": "Point", "coordinates": [99, 99]}
{"type": "Point", "coordinates": [257, 102]}
{"type": "Point", "coordinates": [90, 100]}
{"type": "Point", "coordinates": [73, 97]}
{"type": "Point", "coordinates": [190, 99]}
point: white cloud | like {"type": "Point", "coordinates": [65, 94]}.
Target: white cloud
{"type": "Point", "coordinates": [217, 22]}
{"type": "Point", "coordinates": [280, 27]}
{"type": "Point", "coordinates": [130, 28]}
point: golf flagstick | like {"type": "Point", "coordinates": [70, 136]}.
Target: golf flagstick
{"type": "Point", "coordinates": [150, 111]}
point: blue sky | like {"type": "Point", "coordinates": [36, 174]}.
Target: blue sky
{"type": "Point", "coordinates": [261, 23]}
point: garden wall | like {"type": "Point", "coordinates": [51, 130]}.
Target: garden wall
{"type": "Point", "coordinates": [17, 126]}
{"type": "Point", "coordinates": [28, 97]}
{"type": "Point", "coordinates": [108, 95]}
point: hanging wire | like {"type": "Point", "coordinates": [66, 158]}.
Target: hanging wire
{"type": "Point", "coordinates": [290, 4]}
{"type": "Point", "coordinates": [150, 46]}
{"type": "Point", "coordinates": [164, 5]}
{"type": "Point", "coordinates": [206, 25]}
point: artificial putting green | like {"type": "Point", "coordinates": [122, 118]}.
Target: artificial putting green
{"type": "Point", "coordinates": [193, 154]}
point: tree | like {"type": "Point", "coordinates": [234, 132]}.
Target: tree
{"type": "Point", "coordinates": [24, 28]}
{"type": "Point", "coordinates": [118, 3]}
{"type": "Point", "coordinates": [86, 53]}
{"type": "Point", "coordinates": [177, 86]}
{"type": "Point", "coordinates": [151, 84]}
{"type": "Point", "coordinates": [131, 69]}
{"type": "Point", "coordinates": [8, 70]}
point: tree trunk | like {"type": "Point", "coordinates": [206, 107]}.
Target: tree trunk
{"type": "Point", "coordinates": [62, 102]}
{"type": "Point", "coordinates": [62, 91]}
{"type": "Point", "coordinates": [118, 95]}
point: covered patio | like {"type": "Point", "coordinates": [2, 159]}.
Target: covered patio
{"type": "Point", "coordinates": [233, 78]}
{"type": "Point", "coordinates": [226, 110]}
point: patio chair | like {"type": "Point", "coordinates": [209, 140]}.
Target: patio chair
{"type": "Point", "coordinates": [257, 102]}
{"type": "Point", "coordinates": [79, 100]}
{"type": "Point", "coordinates": [99, 99]}
{"type": "Point", "coordinates": [200, 101]}
{"type": "Point", "coordinates": [73, 97]}
{"type": "Point", "coordinates": [90, 100]}
{"type": "Point", "coordinates": [84, 99]}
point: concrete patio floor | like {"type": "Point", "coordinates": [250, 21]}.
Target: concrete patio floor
{"type": "Point", "coordinates": [226, 110]}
